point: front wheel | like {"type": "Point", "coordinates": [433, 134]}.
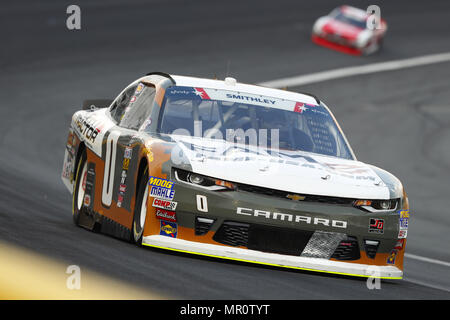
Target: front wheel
{"type": "Point", "coordinates": [140, 210]}
{"type": "Point", "coordinates": [79, 188]}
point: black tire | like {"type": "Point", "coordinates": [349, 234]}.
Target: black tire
{"type": "Point", "coordinates": [76, 208]}
{"type": "Point", "coordinates": [137, 227]}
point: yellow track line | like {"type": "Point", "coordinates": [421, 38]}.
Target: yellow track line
{"type": "Point", "coordinates": [28, 276]}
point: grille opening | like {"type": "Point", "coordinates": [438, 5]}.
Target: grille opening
{"type": "Point", "coordinates": [348, 249]}
{"type": "Point", "coordinates": [371, 248]}
{"type": "Point", "coordinates": [203, 225]}
{"type": "Point", "coordinates": [233, 234]}
{"type": "Point", "coordinates": [263, 238]}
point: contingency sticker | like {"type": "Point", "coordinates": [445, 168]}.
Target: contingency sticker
{"type": "Point", "coordinates": [166, 215]}
{"type": "Point", "coordinates": [161, 188]}
{"type": "Point", "coordinates": [168, 229]}
{"type": "Point", "coordinates": [376, 225]}
{"type": "Point", "coordinates": [403, 223]}
{"type": "Point", "coordinates": [165, 204]}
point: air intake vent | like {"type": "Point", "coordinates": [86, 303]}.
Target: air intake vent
{"type": "Point", "coordinates": [203, 225]}
{"type": "Point", "coordinates": [347, 250]}
{"type": "Point", "coordinates": [323, 244]}
{"type": "Point", "coordinates": [233, 234]}
{"type": "Point", "coordinates": [263, 238]}
{"type": "Point", "coordinates": [371, 247]}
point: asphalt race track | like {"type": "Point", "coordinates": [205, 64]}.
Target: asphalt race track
{"type": "Point", "coordinates": [397, 120]}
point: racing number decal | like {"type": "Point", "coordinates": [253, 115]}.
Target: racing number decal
{"type": "Point", "coordinates": [202, 203]}
{"type": "Point", "coordinates": [110, 163]}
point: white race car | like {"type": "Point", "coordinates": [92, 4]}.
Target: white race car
{"type": "Point", "coordinates": [233, 171]}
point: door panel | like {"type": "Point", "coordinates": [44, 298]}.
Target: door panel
{"type": "Point", "coordinates": [110, 167]}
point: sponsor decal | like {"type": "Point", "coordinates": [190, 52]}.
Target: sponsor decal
{"type": "Point", "coordinates": [89, 128]}
{"type": "Point", "coordinates": [247, 98]}
{"type": "Point", "coordinates": [159, 182]}
{"type": "Point", "coordinates": [160, 192]}
{"type": "Point", "coordinates": [146, 123]}
{"type": "Point", "coordinates": [164, 204]}
{"type": "Point", "coordinates": [68, 167]}
{"type": "Point", "coordinates": [70, 139]}
{"type": "Point", "coordinates": [139, 89]}
{"type": "Point", "coordinates": [201, 93]}
{"type": "Point", "coordinates": [392, 256]}
{"type": "Point", "coordinates": [376, 225]}
{"type": "Point", "coordinates": [70, 145]}
{"type": "Point", "coordinates": [125, 164]}
{"type": "Point", "coordinates": [234, 96]}
{"type": "Point", "coordinates": [235, 154]}
{"type": "Point", "coordinates": [168, 229]}
{"type": "Point", "coordinates": [119, 199]}
{"type": "Point", "coordinates": [87, 200]}
{"type": "Point", "coordinates": [402, 234]}
{"type": "Point", "coordinates": [149, 154]}
{"type": "Point", "coordinates": [292, 217]}
{"type": "Point", "coordinates": [166, 215]}
{"type": "Point", "coordinates": [89, 185]}
{"type": "Point", "coordinates": [133, 99]}
{"type": "Point", "coordinates": [295, 197]}
{"type": "Point", "coordinates": [399, 244]}
{"type": "Point", "coordinates": [403, 223]}
{"type": "Point", "coordinates": [300, 107]}
{"type": "Point", "coordinates": [128, 152]}
{"type": "Point", "coordinates": [123, 177]}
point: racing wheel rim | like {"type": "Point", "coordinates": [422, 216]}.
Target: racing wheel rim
{"type": "Point", "coordinates": [140, 212]}
{"type": "Point", "coordinates": [82, 187]}
{"type": "Point", "coordinates": [143, 213]}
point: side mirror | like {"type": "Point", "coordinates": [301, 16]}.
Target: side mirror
{"type": "Point", "coordinates": [96, 104]}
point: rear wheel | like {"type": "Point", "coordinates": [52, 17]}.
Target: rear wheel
{"type": "Point", "coordinates": [79, 188]}
{"type": "Point", "coordinates": [140, 210]}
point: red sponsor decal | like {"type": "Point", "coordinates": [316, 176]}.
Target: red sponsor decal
{"type": "Point", "coordinates": [163, 204]}
{"type": "Point", "coordinates": [300, 107]}
{"type": "Point", "coordinates": [87, 200]}
{"type": "Point", "coordinates": [202, 93]}
{"type": "Point", "coordinates": [376, 225]}
{"type": "Point", "coordinates": [166, 215]}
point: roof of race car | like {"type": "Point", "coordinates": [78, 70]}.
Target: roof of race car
{"type": "Point", "coordinates": [354, 12]}
{"type": "Point", "coordinates": [241, 87]}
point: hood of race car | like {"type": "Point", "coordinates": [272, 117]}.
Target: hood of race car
{"type": "Point", "coordinates": [291, 171]}
{"type": "Point", "coordinates": [341, 29]}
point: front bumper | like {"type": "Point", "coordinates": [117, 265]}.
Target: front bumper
{"type": "Point", "coordinates": [273, 259]}
{"type": "Point", "coordinates": [336, 46]}
{"type": "Point", "coordinates": [244, 228]}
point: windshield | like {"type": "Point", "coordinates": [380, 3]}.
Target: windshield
{"type": "Point", "coordinates": [341, 16]}
{"type": "Point", "coordinates": [251, 119]}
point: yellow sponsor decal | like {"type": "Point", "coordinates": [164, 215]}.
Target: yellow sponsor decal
{"type": "Point", "coordinates": [126, 164]}
{"type": "Point", "coordinates": [404, 214]}
{"type": "Point", "coordinates": [149, 153]}
{"type": "Point", "coordinates": [158, 182]}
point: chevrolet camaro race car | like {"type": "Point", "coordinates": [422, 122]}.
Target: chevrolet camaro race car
{"type": "Point", "coordinates": [345, 29]}
{"type": "Point", "coordinates": [234, 171]}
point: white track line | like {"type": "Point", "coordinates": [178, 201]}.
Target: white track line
{"type": "Point", "coordinates": [424, 259]}
{"type": "Point", "coordinates": [358, 70]}
{"type": "Point", "coordinates": [424, 284]}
